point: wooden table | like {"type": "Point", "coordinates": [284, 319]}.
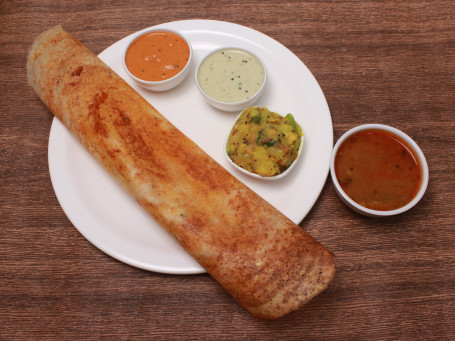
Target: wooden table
{"type": "Point", "coordinates": [390, 62]}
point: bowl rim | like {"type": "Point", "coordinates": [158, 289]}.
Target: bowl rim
{"type": "Point", "coordinates": [164, 81]}
{"type": "Point", "coordinates": [254, 175]}
{"type": "Point", "coordinates": [238, 103]}
{"type": "Point", "coordinates": [409, 141]}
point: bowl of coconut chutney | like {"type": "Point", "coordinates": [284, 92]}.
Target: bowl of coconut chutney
{"type": "Point", "coordinates": [231, 78]}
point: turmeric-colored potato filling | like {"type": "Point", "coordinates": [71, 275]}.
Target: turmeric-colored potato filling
{"type": "Point", "coordinates": [264, 142]}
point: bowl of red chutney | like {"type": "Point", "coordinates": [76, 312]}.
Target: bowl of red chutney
{"type": "Point", "coordinates": [158, 59]}
{"type": "Point", "coordinates": [378, 170]}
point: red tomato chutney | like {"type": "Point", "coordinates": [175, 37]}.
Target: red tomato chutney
{"type": "Point", "coordinates": [157, 56]}
{"type": "Point", "coordinates": [378, 170]}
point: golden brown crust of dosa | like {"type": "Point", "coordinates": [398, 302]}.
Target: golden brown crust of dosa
{"type": "Point", "coordinates": [266, 262]}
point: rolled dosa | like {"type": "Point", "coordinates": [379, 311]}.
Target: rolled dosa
{"type": "Point", "coordinates": [268, 264]}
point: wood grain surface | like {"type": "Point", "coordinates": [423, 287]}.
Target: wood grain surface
{"type": "Point", "coordinates": [389, 62]}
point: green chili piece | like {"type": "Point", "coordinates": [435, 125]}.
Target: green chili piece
{"type": "Point", "coordinates": [293, 123]}
{"type": "Point", "coordinates": [256, 119]}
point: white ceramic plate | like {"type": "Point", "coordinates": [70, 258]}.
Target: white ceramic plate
{"type": "Point", "coordinates": [112, 221]}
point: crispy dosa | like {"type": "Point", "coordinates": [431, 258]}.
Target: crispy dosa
{"type": "Point", "coordinates": [269, 265]}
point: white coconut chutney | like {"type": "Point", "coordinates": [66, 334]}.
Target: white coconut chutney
{"type": "Point", "coordinates": [231, 75]}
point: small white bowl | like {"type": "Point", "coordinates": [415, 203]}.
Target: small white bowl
{"type": "Point", "coordinates": [257, 176]}
{"type": "Point", "coordinates": [166, 84]}
{"type": "Point", "coordinates": [375, 213]}
{"type": "Point", "coordinates": [231, 106]}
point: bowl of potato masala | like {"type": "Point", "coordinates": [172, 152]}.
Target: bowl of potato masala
{"type": "Point", "coordinates": [378, 170]}
{"type": "Point", "coordinates": [263, 143]}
